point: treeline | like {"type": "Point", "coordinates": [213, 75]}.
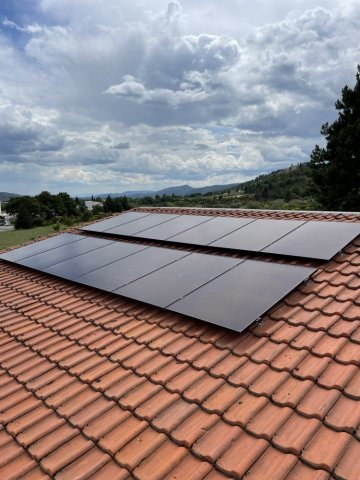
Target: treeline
{"type": "Point", "coordinates": [113, 205]}
{"type": "Point", "coordinates": [43, 208]}
{"type": "Point", "coordinates": [59, 209]}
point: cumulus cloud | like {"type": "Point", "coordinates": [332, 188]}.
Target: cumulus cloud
{"type": "Point", "coordinates": [133, 89]}
{"type": "Point", "coordinates": [27, 131]}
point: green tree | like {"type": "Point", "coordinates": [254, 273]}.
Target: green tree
{"type": "Point", "coordinates": [336, 168]}
{"type": "Point", "coordinates": [24, 218]}
{"type": "Point", "coordinates": [125, 203]}
{"type": "Point", "coordinates": [27, 209]}
{"type": "Point", "coordinates": [109, 205]}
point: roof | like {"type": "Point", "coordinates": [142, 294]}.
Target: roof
{"type": "Point", "coordinates": [95, 386]}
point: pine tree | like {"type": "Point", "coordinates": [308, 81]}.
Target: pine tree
{"type": "Point", "coordinates": [336, 168]}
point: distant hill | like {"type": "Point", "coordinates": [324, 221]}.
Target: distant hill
{"type": "Point", "coordinates": [181, 190]}
{"type": "Point", "coordinates": [4, 196]}
{"type": "Point", "coordinates": [184, 190]}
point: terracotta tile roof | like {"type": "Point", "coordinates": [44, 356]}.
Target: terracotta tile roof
{"type": "Point", "coordinates": [95, 386]}
{"type": "Point", "coordinates": [243, 212]}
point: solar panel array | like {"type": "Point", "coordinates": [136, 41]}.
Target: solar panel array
{"type": "Point", "coordinates": [221, 290]}
{"type": "Point", "coordinates": [306, 239]}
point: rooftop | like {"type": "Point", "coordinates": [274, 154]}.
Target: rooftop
{"type": "Point", "coordinates": [95, 386]}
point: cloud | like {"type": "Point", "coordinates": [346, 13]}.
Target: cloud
{"type": "Point", "coordinates": [26, 131]}
{"type": "Point", "coordinates": [134, 90]}
{"type": "Point", "coordinates": [197, 91]}
{"type": "Point", "coordinates": [201, 146]}
{"type": "Point", "coordinates": [31, 28]}
{"type": "Point", "coordinates": [122, 146]}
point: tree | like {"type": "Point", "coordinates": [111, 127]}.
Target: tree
{"type": "Point", "coordinates": [27, 209]}
{"type": "Point", "coordinates": [336, 168]}
{"type": "Point", "coordinates": [109, 205]}
{"type": "Point", "coordinates": [24, 218]}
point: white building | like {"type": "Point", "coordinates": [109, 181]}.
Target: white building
{"type": "Point", "coordinates": [90, 204]}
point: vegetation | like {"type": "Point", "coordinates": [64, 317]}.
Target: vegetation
{"type": "Point", "coordinates": [61, 209]}
{"type": "Point", "coordinates": [43, 209]}
{"type": "Point", "coordinates": [292, 183]}
{"type": "Point", "coordinates": [118, 204]}
{"type": "Point", "coordinates": [336, 168]}
{"type": "Point", "coordinates": [17, 237]}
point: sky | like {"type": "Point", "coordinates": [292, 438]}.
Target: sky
{"type": "Point", "coordinates": [101, 96]}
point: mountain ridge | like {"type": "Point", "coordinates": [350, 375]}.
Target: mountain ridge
{"type": "Point", "coordinates": [5, 196]}
{"type": "Point", "coordinates": [181, 190]}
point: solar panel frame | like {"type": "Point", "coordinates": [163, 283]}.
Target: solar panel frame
{"type": "Point", "coordinates": [40, 247]}
{"type": "Point", "coordinates": [240, 296]}
{"type": "Point", "coordinates": [170, 283]}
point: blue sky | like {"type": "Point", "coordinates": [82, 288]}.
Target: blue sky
{"type": "Point", "coordinates": [104, 96]}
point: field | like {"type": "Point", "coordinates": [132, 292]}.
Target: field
{"type": "Point", "coordinates": [17, 237]}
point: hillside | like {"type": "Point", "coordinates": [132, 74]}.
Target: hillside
{"type": "Point", "coordinates": [4, 196]}
{"type": "Point", "coordinates": [290, 188]}
{"type": "Point", "coordinates": [287, 184]}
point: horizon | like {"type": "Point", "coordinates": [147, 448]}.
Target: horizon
{"type": "Point", "coordinates": [108, 97]}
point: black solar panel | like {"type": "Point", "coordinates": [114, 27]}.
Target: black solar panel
{"type": "Point", "coordinates": [208, 232]}
{"type": "Point", "coordinates": [257, 235]}
{"type": "Point", "coordinates": [65, 252]}
{"type": "Point", "coordinates": [240, 296]}
{"type": "Point", "coordinates": [114, 221]}
{"type": "Point", "coordinates": [222, 290]}
{"type": "Point", "coordinates": [141, 224]}
{"type": "Point", "coordinates": [177, 279]}
{"type": "Point", "coordinates": [319, 240]}
{"type": "Point", "coordinates": [173, 227]}
{"type": "Point", "coordinates": [87, 262]}
{"type": "Point", "coordinates": [121, 272]}
{"type": "Point", "coordinates": [39, 247]}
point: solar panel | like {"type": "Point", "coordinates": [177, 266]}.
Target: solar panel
{"type": "Point", "coordinates": [168, 284]}
{"type": "Point", "coordinates": [173, 227]}
{"type": "Point", "coordinates": [114, 221]}
{"type": "Point", "coordinates": [141, 224]}
{"type": "Point", "coordinates": [73, 268]}
{"type": "Point", "coordinates": [210, 231]}
{"type": "Point", "coordinates": [257, 235]}
{"type": "Point", "coordinates": [41, 246]}
{"type": "Point", "coordinates": [281, 237]}
{"type": "Point", "coordinates": [221, 290]}
{"type": "Point", "coordinates": [240, 296]}
{"type": "Point", "coordinates": [319, 240]}
{"type": "Point", "coordinates": [121, 272]}
{"type": "Point", "coordinates": [65, 252]}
